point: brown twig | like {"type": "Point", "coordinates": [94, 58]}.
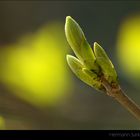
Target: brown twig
{"type": "Point", "coordinates": [117, 93]}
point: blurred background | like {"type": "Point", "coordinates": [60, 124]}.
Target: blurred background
{"type": "Point", "coordinates": [37, 88]}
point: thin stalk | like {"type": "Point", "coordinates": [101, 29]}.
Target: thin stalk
{"type": "Point", "coordinates": [117, 93]}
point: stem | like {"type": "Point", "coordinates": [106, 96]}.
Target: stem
{"type": "Point", "coordinates": [122, 98]}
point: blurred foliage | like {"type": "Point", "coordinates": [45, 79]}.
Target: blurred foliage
{"type": "Point", "coordinates": [35, 68]}
{"type": "Point", "coordinates": [2, 123]}
{"type": "Point", "coordinates": [128, 47]}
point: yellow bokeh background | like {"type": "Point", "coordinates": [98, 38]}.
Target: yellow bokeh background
{"type": "Point", "coordinates": [128, 46]}
{"type": "Point", "coordinates": [34, 68]}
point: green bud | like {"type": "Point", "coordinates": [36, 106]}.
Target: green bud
{"type": "Point", "coordinates": [99, 51]}
{"type": "Point", "coordinates": [83, 74]}
{"type": "Point", "coordinates": [76, 66]}
{"type": "Point", "coordinates": [79, 44]}
{"type": "Point", "coordinates": [74, 63]}
{"type": "Point", "coordinates": [96, 83]}
{"type": "Point", "coordinates": [105, 63]}
{"type": "Point", "coordinates": [90, 73]}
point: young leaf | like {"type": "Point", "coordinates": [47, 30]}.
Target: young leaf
{"type": "Point", "coordinates": [79, 44]}
{"type": "Point", "coordinates": [105, 63]}
{"type": "Point", "coordinates": [84, 74]}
